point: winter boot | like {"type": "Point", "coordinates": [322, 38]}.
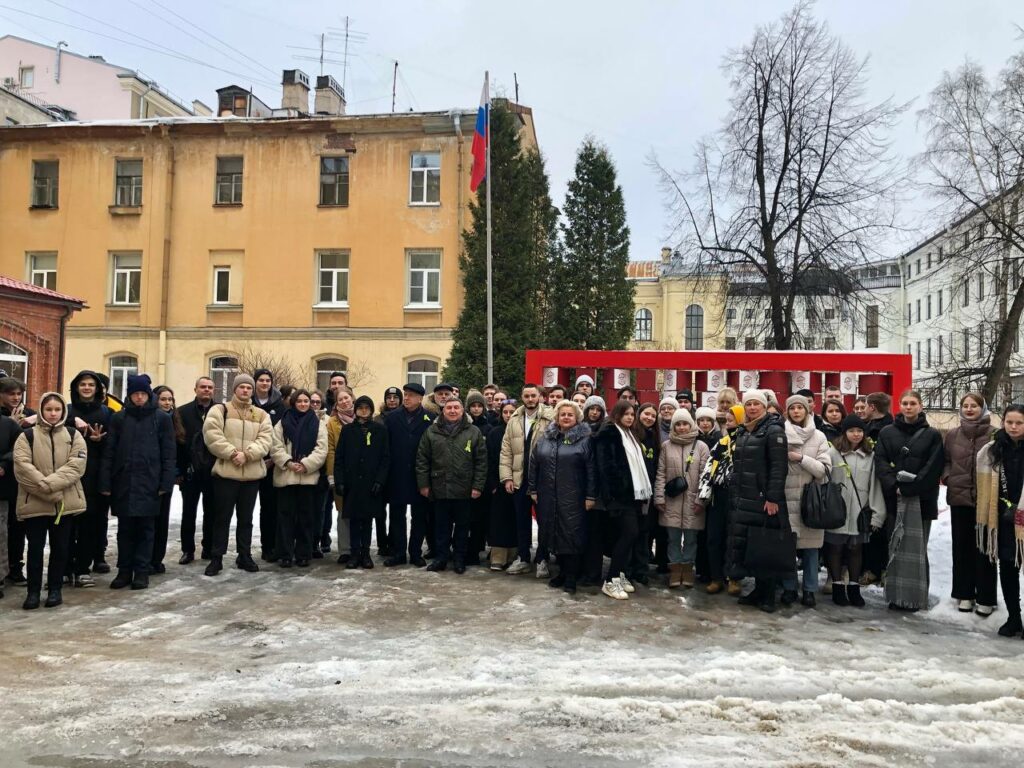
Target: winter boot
{"type": "Point", "coordinates": [16, 576]}
{"type": "Point", "coordinates": [735, 588]}
{"type": "Point", "coordinates": [438, 565]}
{"type": "Point", "coordinates": [853, 595]}
{"type": "Point", "coordinates": [713, 588]}
{"type": "Point", "coordinates": [367, 562]}
{"type": "Point", "coordinates": [31, 601]}
{"type": "Point", "coordinates": [216, 566]}
{"type": "Point", "coordinates": [352, 563]}
{"type": "Point", "coordinates": [122, 580]}
{"type": "Point", "coordinates": [141, 581]}
{"type": "Point", "coordinates": [558, 582]}
{"type": "Point", "coordinates": [753, 597]}
{"type": "Point", "coordinates": [246, 563]}
{"type": "Point", "coordinates": [1012, 627]}
{"type": "Point", "coordinates": [686, 575]}
{"type": "Point", "coordinates": [675, 575]}
{"type": "Point", "coordinates": [839, 594]}
{"type": "Point", "coordinates": [53, 599]}
{"type": "Point", "coordinates": [789, 596]}
{"type": "Point", "coordinates": [459, 567]}
{"type": "Point", "coordinates": [100, 566]}
{"type": "Point", "coordinates": [807, 600]}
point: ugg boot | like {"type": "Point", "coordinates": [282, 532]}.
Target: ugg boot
{"type": "Point", "coordinates": [713, 588]}
{"type": "Point", "coordinates": [853, 595]}
{"type": "Point", "coordinates": [839, 594]}
{"type": "Point", "coordinates": [675, 575]}
{"type": "Point", "coordinates": [687, 575]}
{"type": "Point", "coordinates": [735, 588]}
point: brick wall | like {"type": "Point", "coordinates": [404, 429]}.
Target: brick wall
{"type": "Point", "coordinates": [35, 327]}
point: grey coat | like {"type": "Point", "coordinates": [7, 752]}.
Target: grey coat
{"type": "Point", "coordinates": [858, 468]}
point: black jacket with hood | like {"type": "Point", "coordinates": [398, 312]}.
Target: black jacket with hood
{"type": "Point", "coordinates": [94, 413]}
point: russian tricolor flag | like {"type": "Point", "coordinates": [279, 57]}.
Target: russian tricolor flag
{"type": "Point", "coordinates": [480, 138]}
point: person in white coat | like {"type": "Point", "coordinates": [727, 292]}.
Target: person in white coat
{"type": "Point", "coordinates": [810, 461]}
{"type": "Point", "coordinates": [853, 469]}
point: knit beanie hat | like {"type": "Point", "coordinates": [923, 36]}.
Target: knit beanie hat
{"type": "Point", "coordinates": [594, 400]}
{"type": "Point", "coordinates": [242, 378]}
{"type": "Point", "coordinates": [392, 391]}
{"type": "Point", "coordinates": [738, 413]}
{"type": "Point", "coordinates": [797, 400]}
{"type": "Point", "coordinates": [853, 421]}
{"type": "Point", "coordinates": [755, 394]}
{"type": "Point", "coordinates": [140, 383]}
{"type": "Point", "coordinates": [263, 372]}
{"type": "Point", "coordinates": [682, 414]}
{"type": "Point", "coordinates": [475, 397]}
{"type": "Point", "coordinates": [363, 400]}
{"type": "Point", "coordinates": [585, 379]}
{"type": "Point", "coordinates": [705, 413]}
{"type": "Point", "coordinates": [668, 401]}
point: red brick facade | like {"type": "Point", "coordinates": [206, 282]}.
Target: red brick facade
{"type": "Point", "coordinates": [33, 320]}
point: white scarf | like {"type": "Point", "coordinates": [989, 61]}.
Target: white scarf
{"type": "Point", "coordinates": [637, 467]}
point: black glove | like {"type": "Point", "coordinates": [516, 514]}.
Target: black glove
{"type": "Point", "coordinates": [375, 489]}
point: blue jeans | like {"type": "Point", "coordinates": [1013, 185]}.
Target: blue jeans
{"type": "Point", "coordinates": [809, 562]}
{"type": "Point", "coordinates": [682, 545]}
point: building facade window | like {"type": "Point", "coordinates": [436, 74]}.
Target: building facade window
{"type": "Point", "coordinates": [941, 308]}
{"type": "Point", "coordinates": [730, 313]}
{"type": "Point", "coordinates": [917, 310]}
{"type": "Point", "coordinates": [128, 183]}
{"type": "Point", "coordinates": [730, 342]}
{"type": "Point", "coordinates": [871, 334]}
{"type": "Point", "coordinates": [981, 287]}
{"type": "Point", "coordinates": [424, 281]}
{"type": "Point", "coordinates": [917, 357]}
{"type": "Point", "coordinates": [643, 323]}
{"type": "Point", "coordinates": [27, 77]}
{"type": "Point", "coordinates": [42, 270]}
{"type": "Point", "coordinates": [425, 178]}
{"type": "Point", "coordinates": [694, 327]}
{"type": "Point", "coordinates": [222, 285]}
{"type": "Point", "coordinates": [121, 367]}
{"type": "Point", "coordinates": [929, 306]}
{"type": "Point", "coordinates": [45, 183]}
{"type": "Point", "coordinates": [749, 342]}
{"type": "Point", "coordinates": [334, 181]}
{"type": "Point", "coordinates": [222, 370]}
{"type": "Point", "coordinates": [332, 281]}
{"type": "Point", "coordinates": [325, 366]}
{"type": "Point", "coordinates": [127, 278]}
{"type": "Point", "coordinates": [829, 342]}
{"type": "Point", "coordinates": [423, 372]}
{"type": "Point", "coordinates": [14, 360]}
{"type": "Point", "coordinates": [967, 291]}
{"type": "Point", "coordinates": [229, 180]}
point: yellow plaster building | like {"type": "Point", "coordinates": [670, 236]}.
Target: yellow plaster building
{"type": "Point", "coordinates": [331, 242]}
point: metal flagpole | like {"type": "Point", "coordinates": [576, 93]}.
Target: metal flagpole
{"type": "Point", "coordinates": [490, 307]}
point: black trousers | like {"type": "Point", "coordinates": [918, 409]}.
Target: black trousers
{"type": "Point", "coordinates": [405, 536]}
{"type": "Point", "coordinates": [717, 530]}
{"type": "Point", "coordinates": [194, 488]}
{"type": "Point", "coordinates": [233, 497]}
{"type": "Point", "coordinates": [296, 508]}
{"type": "Point", "coordinates": [161, 525]}
{"type": "Point", "coordinates": [974, 575]}
{"type": "Point", "coordinates": [15, 540]}
{"type": "Point", "coordinates": [135, 543]}
{"type": "Point", "coordinates": [480, 522]}
{"type": "Point", "coordinates": [876, 551]}
{"type": "Point", "coordinates": [89, 534]}
{"type": "Point", "coordinates": [324, 517]}
{"type": "Point", "coordinates": [571, 567]}
{"type": "Point", "coordinates": [381, 520]}
{"type": "Point", "coordinates": [451, 515]}
{"type": "Point", "coordinates": [268, 514]}
{"type": "Point", "coordinates": [625, 527]}
{"type": "Point", "coordinates": [36, 529]}
{"type": "Point", "coordinates": [593, 558]}
{"type": "Point", "coordinates": [524, 527]}
{"type": "Point", "coordinates": [1009, 579]}
{"type": "Point", "coordinates": [360, 530]}
{"type": "Point", "coordinates": [641, 555]}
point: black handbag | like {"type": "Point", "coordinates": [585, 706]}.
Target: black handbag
{"type": "Point", "coordinates": [865, 514]}
{"type": "Point", "coordinates": [822, 505]}
{"type": "Point", "coordinates": [770, 551]}
{"type": "Point", "coordinates": [676, 486]}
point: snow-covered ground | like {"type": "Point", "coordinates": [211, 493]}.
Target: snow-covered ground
{"type": "Point", "coordinates": [328, 667]}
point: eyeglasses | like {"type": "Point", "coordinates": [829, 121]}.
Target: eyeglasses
{"type": "Point", "coordinates": [315, 402]}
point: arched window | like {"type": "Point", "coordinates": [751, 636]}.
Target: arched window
{"type": "Point", "coordinates": [14, 360]}
{"type": "Point", "coordinates": [222, 371]}
{"type": "Point", "coordinates": [121, 367]}
{"type": "Point", "coordinates": [694, 327]}
{"type": "Point", "coordinates": [643, 323]}
{"type": "Point", "coordinates": [325, 366]}
{"type": "Point", "coordinates": [423, 372]}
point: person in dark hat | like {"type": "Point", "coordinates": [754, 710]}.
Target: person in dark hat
{"type": "Point", "coordinates": [361, 464]}
{"type": "Point", "coordinates": [685, 399]}
{"type": "Point", "coordinates": [138, 467]}
{"type": "Point", "coordinates": [392, 402]}
{"type": "Point", "coordinates": [819, 423]}
{"type": "Point", "coordinates": [405, 427]}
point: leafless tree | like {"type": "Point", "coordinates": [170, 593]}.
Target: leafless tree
{"type": "Point", "coordinates": [285, 370]}
{"type": "Point", "coordinates": [975, 159]}
{"type": "Point", "coordinates": [799, 185]}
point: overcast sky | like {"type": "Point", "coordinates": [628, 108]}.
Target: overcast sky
{"type": "Point", "coordinates": [640, 77]}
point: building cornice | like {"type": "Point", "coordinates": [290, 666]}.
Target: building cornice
{"type": "Point", "coordinates": [254, 334]}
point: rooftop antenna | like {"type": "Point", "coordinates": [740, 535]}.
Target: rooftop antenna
{"type": "Point", "coordinates": [515, 79]}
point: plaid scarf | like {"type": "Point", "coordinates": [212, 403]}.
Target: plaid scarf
{"type": "Point", "coordinates": [992, 503]}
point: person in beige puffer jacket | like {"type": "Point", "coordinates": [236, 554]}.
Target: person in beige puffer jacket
{"type": "Point", "coordinates": [49, 472]}
{"type": "Point", "coordinates": [240, 436]}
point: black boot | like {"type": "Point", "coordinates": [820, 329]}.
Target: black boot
{"type": "Point", "coordinates": [15, 576]}
{"type": "Point", "coordinates": [789, 596]}
{"type": "Point", "coordinates": [246, 563]}
{"type": "Point", "coordinates": [141, 581]}
{"type": "Point", "coordinates": [1012, 627]}
{"type": "Point", "coordinates": [53, 599]}
{"type": "Point", "coordinates": [438, 565]}
{"type": "Point", "coordinates": [100, 566]}
{"type": "Point", "coordinates": [753, 597]}
{"type": "Point", "coordinates": [852, 594]}
{"type": "Point", "coordinates": [460, 567]}
{"type": "Point", "coordinates": [807, 600]}
{"type": "Point", "coordinates": [839, 594]}
{"type": "Point", "coordinates": [216, 566]}
{"type": "Point", "coordinates": [366, 562]}
{"type": "Point", "coordinates": [186, 558]}
{"type": "Point", "coordinates": [31, 601]}
{"type": "Point", "coordinates": [352, 564]}
{"type": "Point", "coordinates": [558, 582]}
{"type": "Point", "coordinates": [122, 580]}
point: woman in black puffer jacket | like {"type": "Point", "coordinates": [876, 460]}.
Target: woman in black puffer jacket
{"type": "Point", "coordinates": [757, 491]}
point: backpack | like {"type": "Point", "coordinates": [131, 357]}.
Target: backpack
{"type": "Point", "coordinates": [202, 461]}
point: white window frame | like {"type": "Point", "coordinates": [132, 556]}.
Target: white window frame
{"type": "Point", "coordinates": [127, 187]}
{"type": "Point", "coordinates": [424, 171]}
{"type": "Point", "coordinates": [221, 273]}
{"type": "Point", "coordinates": [231, 182]}
{"type": "Point", "coordinates": [44, 277]}
{"type": "Point", "coordinates": [119, 374]}
{"type": "Point", "coordinates": [428, 379]}
{"type": "Point", "coordinates": [325, 366]}
{"type": "Point", "coordinates": [27, 77]}
{"type": "Point", "coordinates": [422, 301]}
{"type": "Point", "coordinates": [699, 315]}
{"type": "Point", "coordinates": [14, 360]}
{"type": "Point", "coordinates": [335, 276]}
{"type": "Point", "coordinates": [221, 375]}
{"type": "Point", "coordinates": [122, 276]}
{"type": "Point", "coordinates": [643, 325]}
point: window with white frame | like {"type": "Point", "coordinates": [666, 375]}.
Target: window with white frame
{"type": "Point", "coordinates": [127, 278]}
{"type": "Point", "coordinates": [14, 360]}
{"type": "Point", "coordinates": [325, 366]}
{"type": "Point", "coordinates": [27, 77]}
{"type": "Point", "coordinates": [424, 278]}
{"type": "Point", "coordinates": [694, 327]}
{"type": "Point", "coordinates": [121, 367]}
{"type": "Point", "coordinates": [332, 278]}
{"type": "Point", "coordinates": [222, 370]}
{"type": "Point", "coordinates": [425, 178]}
{"type": "Point", "coordinates": [229, 181]}
{"type": "Point", "coordinates": [643, 325]}
{"type": "Point", "coordinates": [42, 270]}
{"type": "Point", "coordinates": [222, 285]}
{"type": "Point", "coordinates": [334, 181]}
{"type": "Point", "coordinates": [128, 183]}
{"type": "Point", "coordinates": [423, 372]}
{"type": "Point", "coordinates": [45, 183]}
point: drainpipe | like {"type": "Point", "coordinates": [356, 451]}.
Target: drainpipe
{"type": "Point", "coordinates": [68, 311]}
{"type": "Point", "coordinates": [166, 265]}
{"type": "Point", "coordinates": [60, 44]}
{"type": "Point", "coordinates": [457, 119]}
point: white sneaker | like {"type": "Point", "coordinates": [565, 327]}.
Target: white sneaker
{"type": "Point", "coordinates": [518, 567]}
{"type": "Point", "coordinates": [614, 589]}
{"type": "Point", "coordinates": [496, 566]}
{"type": "Point", "coordinates": [965, 606]}
{"type": "Point", "coordinates": [84, 580]}
{"type": "Point", "coordinates": [542, 570]}
{"type": "Point", "coordinates": [626, 585]}
{"type": "Point", "coordinates": [984, 610]}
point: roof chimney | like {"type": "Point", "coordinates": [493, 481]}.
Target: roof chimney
{"type": "Point", "coordinates": [295, 90]}
{"type": "Point", "coordinates": [666, 255]}
{"type": "Point", "coordinates": [330, 98]}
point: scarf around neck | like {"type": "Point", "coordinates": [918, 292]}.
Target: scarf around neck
{"type": "Point", "coordinates": [637, 467]}
{"type": "Point", "coordinates": [345, 417]}
{"type": "Point", "coordinates": [301, 431]}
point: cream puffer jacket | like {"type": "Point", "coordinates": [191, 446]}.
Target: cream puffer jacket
{"type": "Point", "coordinates": [513, 444]}
{"type": "Point", "coordinates": [246, 428]}
{"type": "Point", "coordinates": [49, 472]}
{"type": "Point", "coordinates": [282, 455]}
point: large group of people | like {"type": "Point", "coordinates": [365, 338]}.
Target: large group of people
{"type": "Point", "coordinates": [758, 490]}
